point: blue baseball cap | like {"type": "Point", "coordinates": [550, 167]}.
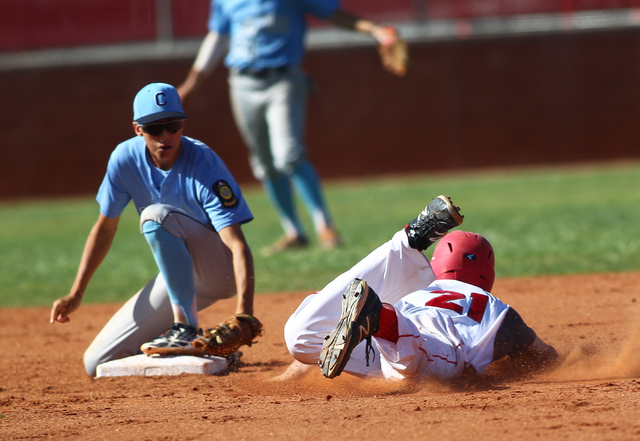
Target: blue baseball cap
{"type": "Point", "coordinates": [157, 101]}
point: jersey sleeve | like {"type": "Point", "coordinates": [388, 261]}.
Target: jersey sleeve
{"type": "Point", "coordinates": [225, 204]}
{"type": "Point", "coordinates": [112, 196]}
{"type": "Point", "coordinates": [220, 194]}
{"type": "Point", "coordinates": [218, 21]}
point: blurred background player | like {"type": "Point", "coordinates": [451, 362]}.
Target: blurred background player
{"type": "Point", "coordinates": [191, 211]}
{"type": "Point", "coordinates": [263, 41]}
{"type": "Point", "coordinates": [448, 327]}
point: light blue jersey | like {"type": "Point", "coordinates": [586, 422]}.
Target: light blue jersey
{"type": "Point", "coordinates": [266, 33]}
{"type": "Point", "coordinates": [198, 183]}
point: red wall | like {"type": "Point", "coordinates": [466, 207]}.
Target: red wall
{"type": "Point", "coordinates": [30, 24]}
{"type": "Point", "coordinates": [38, 24]}
{"type": "Point", "coordinates": [464, 104]}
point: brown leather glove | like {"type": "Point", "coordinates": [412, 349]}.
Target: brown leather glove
{"type": "Point", "coordinates": [225, 338]}
{"type": "Point", "coordinates": [395, 54]}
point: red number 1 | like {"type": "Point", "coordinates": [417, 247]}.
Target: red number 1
{"type": "Point", "coordinates": [478, 305]}
{"type": "Point", "coordinates": [476, 310]}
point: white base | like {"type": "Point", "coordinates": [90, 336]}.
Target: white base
{"type": "Point", "coordinates": [144, 365]}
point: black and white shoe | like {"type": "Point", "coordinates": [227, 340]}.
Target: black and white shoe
{"type": "Point", "coordinates": [435, 221]}
{"type": "Point", "coordinates": [359, 321]}
{"type": "Point", "coordinates": [176, 341]}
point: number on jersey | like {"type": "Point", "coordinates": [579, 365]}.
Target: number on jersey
{"type": "Point", "coordinates": [476, 309]}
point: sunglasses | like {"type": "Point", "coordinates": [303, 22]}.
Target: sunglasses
{"type": "Point", "coordinates": [157, 129]}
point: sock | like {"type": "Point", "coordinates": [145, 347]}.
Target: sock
{"type": "Point", "coordinates": [307, 183]}
{"type": "Point", "coordinates": [176, 266]}
{"type": "Point", "coordinates": [279, 192]}
{"type": "Point", "coordinates": [388, 324]}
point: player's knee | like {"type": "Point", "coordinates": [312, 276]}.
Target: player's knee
{"type": "Point", "coordinates": [156, 213]}
{"type": "Point", "coordinates": [270, 173]}
{"type": "Point", "coordinates": [292, 164]}
{"type": "Point", "coordinates": [160, 219]}
{"type": "Point", "coordinates": [301, 343]}
{"type": "Point", "coordinates": [91, 361]}
{"type": "Point", "coordinates": [291, 336]}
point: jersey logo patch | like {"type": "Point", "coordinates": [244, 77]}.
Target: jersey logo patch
{"type": "Point", "coordinates": [224, 192]}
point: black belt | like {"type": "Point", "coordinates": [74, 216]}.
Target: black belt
{"type": "Point", "coordinates": [262, 73]}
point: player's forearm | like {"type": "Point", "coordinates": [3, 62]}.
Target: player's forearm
{"type": "Point", "coordinates": [384, 35]}
{"type": "Point", "coordinates": [192, 83]}
{"type": "Point", "coordinates": [95, 250]}
{"type": "Point", "coordinates": [212, 50]}
{"type": "Point", "coordinates": [352, 22]}
{"type": "Point", "coordinates": [242, 259]}
{"type": "Point", "coordinates": [245, 280]}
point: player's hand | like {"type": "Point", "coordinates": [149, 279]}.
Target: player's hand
{"type": "Point", "coordinates": [63, 307]}
{"type": "Point", "coordinates": [385, 35]}
{"type": "Point", "coordinates": [393, 50]}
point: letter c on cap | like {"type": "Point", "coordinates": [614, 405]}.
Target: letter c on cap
{"type": "Point", "coordinates": [161, 99]}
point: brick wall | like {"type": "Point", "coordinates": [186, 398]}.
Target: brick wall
{"type": "Point", "coordinates": [465, 104]}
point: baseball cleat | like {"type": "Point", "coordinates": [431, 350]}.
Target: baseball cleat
{"type": "Point", "coordinates": [360, 319]}
{"type": "Point", "coordinates": [329, 239]}
{"type": "Point", "coordinates": [285, 243]}
{"type": "Point", "coordinates": [435, 221]}
{"type": "Point", "coordinates": [176, 341]}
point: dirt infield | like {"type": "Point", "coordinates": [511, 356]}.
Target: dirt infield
{"type": "Point", "coordinates": [595, 394]}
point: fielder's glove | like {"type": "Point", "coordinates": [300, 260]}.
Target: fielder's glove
{"type": "Point", "coordinates": [225, 339]}
{"type": "Point", "coordinates": [395, 53]}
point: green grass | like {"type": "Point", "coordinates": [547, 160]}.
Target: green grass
{"type": "Point", "coordinates": [555, 221]}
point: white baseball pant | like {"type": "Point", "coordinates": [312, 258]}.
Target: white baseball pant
{"type": "Point", "coordinates": [393, 270]}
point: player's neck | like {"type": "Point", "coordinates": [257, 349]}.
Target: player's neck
{"type": "Point", "coordinates": [164, 162]}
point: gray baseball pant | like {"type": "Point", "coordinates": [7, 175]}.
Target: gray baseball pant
{"type": "Point", "coordinates": [270, 112]}
{"type": "Point", "coordinates": [148, 313]}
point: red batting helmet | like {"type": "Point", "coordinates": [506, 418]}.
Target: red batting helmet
{"type": "Point", "coordinates": [467, 257]}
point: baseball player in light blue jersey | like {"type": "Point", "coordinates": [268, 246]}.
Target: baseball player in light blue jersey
{"type": "Point", "coordinates": [263, 41]}
{"type": "Point", "coordinates": [191, 211]}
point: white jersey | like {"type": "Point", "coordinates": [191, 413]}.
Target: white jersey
{"type": "Point", "coordinates": [442, 328]}
{"type": "Point", "coordinates": [393, 270]}
{"type": "Point", "coordinates": [444, 325]}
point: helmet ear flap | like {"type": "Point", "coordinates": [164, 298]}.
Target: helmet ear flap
{"type": "Point", "coordinates": [464, 256]}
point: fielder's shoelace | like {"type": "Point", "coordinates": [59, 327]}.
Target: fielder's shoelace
{"type": "Point", "coordinates": [369, 349]}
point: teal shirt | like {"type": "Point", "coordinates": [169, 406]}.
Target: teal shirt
{"type": "Point", "coordinates": [266, 33]}
{"type": "Point", "coordinates": [198, 183]}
